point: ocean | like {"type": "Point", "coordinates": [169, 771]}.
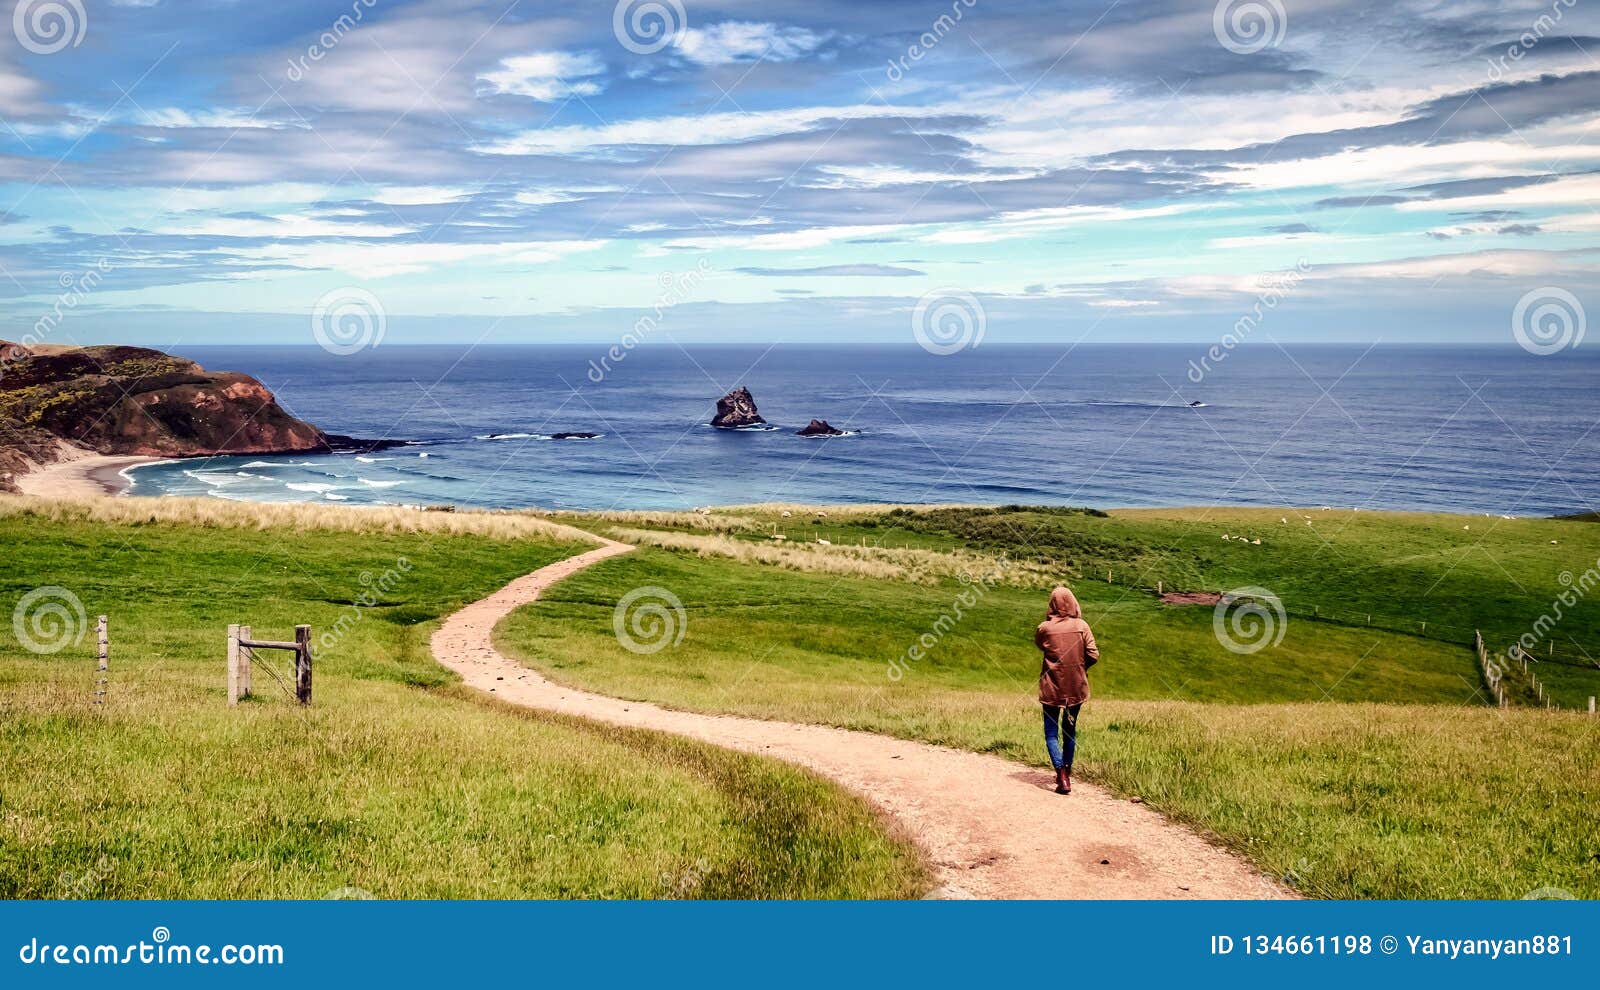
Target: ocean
{"type": "Point", "coordinates": [1477, 430]}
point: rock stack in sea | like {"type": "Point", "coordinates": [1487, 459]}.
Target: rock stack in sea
{"type": "Point", "coordinates": [819, 428]}
{"type": "Point", "coordinates": [737, 409]}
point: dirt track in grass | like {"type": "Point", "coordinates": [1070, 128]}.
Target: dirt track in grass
{"type": "Point", "coordinates": [991, 828]}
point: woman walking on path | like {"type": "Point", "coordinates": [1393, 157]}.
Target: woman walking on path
{"type": "Point", "coordinates": [1069, 651]}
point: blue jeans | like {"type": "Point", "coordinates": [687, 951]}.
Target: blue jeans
{"type": "Point", "coordinates": [1053, 723]}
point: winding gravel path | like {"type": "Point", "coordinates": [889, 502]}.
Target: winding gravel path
{"type": "Point", "coordinates": [991, 828]}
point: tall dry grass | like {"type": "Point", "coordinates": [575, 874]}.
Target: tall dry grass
{"type": "Point", "coordinates": [753, 517]}
{"type": "Point", "coordinates": [851, 560]}
{"type": "Point", "coordinates": [715, 522]}
{"type": "Point", "coordinates": [217, 514]}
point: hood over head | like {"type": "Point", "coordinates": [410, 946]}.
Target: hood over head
{"type": "Point", "coordinates": [1063, 604]}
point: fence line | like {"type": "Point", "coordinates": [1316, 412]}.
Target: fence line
{"type": "Point", "coordinates": [1493, 676]}
{"type": "Point", "coordinates": [1517, 653]}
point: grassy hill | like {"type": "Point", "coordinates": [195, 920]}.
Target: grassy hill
{"type": "Point", "coordinates": [395, 781]}
{"type": "Point", "coordinates": [1359, 761]}
{"type": "Point", "coordinates": [1431, 576]}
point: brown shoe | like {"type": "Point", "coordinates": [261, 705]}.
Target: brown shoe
{"type": "Point", "coordinates": [1063, 781]}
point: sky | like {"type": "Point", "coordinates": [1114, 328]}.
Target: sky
{"type": "Point", "coordinates": [821, 172]}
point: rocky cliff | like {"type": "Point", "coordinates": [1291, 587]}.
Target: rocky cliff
{"type": "Point", "coordinates": [132, 400]}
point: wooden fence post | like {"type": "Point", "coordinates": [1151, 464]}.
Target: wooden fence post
{"type": "Point", "coordinates": [233, 665]}
{"type": "Point", "coordinates": [247, 662]}
{"type": "Point", "coordinates": [104, 665]}
{"type": "Point", "coordinates": [302, 664]}
{"type": "Point", "coordinates": [1591, 704]}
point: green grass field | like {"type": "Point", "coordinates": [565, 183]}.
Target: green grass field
{"type": "Point", "coordinates": [1455, 574]}
{"type": "Point", "coordinates": [1353, 760]}
{"type": "Point", "coordinates": [1435, 576]}
{"type": "Point", "coordinates": [395, 781]}
{"type": "Point", "coordinates": [1359, 761]}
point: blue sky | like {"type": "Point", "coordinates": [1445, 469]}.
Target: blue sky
{"type": "Point", "coordinates": [806, 172]}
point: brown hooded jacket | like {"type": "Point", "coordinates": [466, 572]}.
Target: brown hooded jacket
{"type": "Point", "coordinates": [1069, 651]}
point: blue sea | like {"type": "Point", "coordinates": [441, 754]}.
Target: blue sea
{"type": "Point", "coordinates": [1476, 430]}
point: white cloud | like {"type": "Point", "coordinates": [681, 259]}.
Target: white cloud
{"type": "Point", "coordinates": [233, 119]}
{"type": "Point", "coordinates": [285, 226]}
{"type": "Point", "coordinates": [382, 260]}
{"type": "Point", "coordinates": [19, 92]}
{"type": "Point", "coordinates": [1029, 223]}
{"type": "Point", "coordinates": [1568, 191]}
{"type": "Point", "coordinates": [418, 195]}
{"type": "Point", "coordinates": [747, 41]}
{"type": "Point", "coordinates": [789, 240]}
{"type": "Point", "coordinates": [542, 197]}
{"type": "Point", "coordinates": [238, 197]}
{"type": "Point", "coordinates": [704, 129]}
{"type": "Point", "coordinates": [1388, 167]}
{"type": "Point", "coordinates": [876, 176]}
{"type": "Point", "coordinates": [546, 76]}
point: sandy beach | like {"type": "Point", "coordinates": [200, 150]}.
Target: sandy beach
{"type": "Point", "coordinates": [81, 475]}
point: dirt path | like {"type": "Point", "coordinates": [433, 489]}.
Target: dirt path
{"type": "Point", "coordinates": [992, 828]}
